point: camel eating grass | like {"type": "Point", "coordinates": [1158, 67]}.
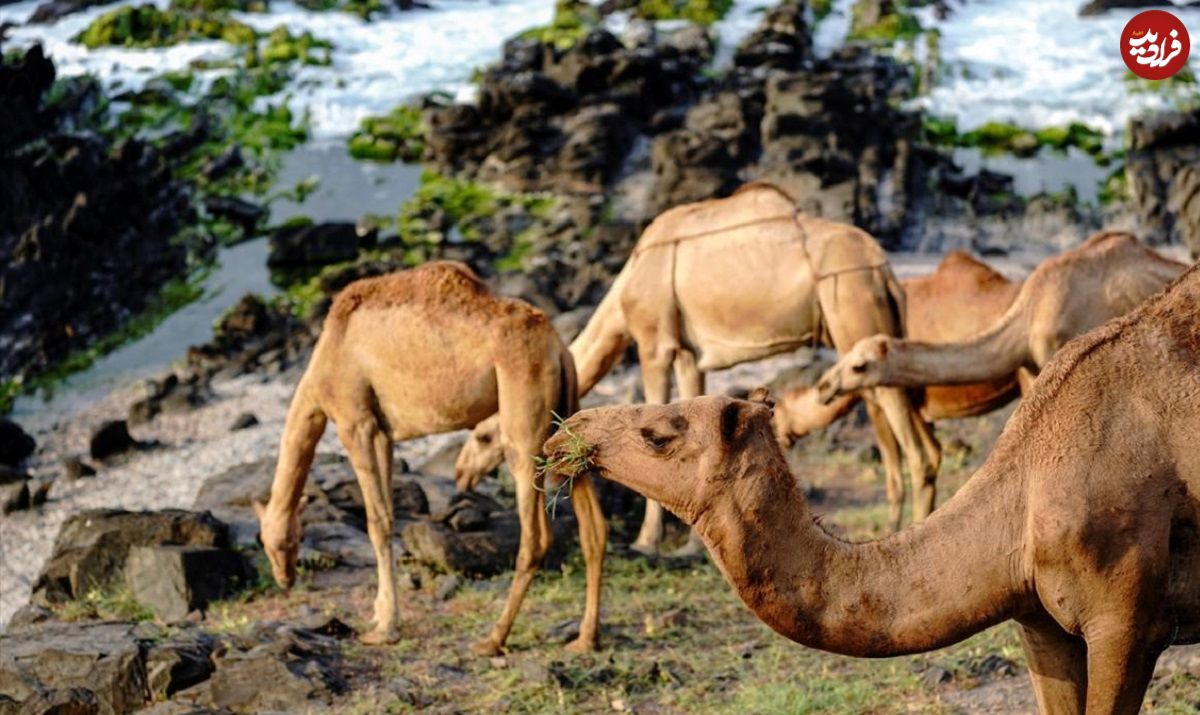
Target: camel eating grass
{"type": "Point", "coordinates": [420, 352]}
{"type": "Point", "coordinates": [1067, 295]}
{"type": "Point", "coordinates": [960, 298]}
{"type": "Point", "coordinates": [1083, 525]}
{"type": "Point", "coordinates": [717, 283]}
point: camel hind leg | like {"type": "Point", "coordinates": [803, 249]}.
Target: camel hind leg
{"type": "Point", "coordinates": [889, 454]}
{"type": "Point", "coordinates": [656, 384]}
{"type": "Point", "coordinates": [525, 407]}
{"type": "Point", "coordinates": [370, 451]}
{"type": "Point", "coordinates": [857, 305]}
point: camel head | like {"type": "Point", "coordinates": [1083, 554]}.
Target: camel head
{"type": "Point", "coordinates": [860, 368]}
{"type": "Point", "coordinates": [280, 535]}
{"type": "Point", "coordinates": [683, 455]}
{"type": "Point", "coordinates": [482, 453]}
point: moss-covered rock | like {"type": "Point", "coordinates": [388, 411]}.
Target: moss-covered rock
{"type": "Point", "coordinates": [701, 12]}
{"type": "Point", "coordinates": [210, 6]}
{"type": "Point", "coordinates": [883, 21]}
{"type": "Point", "coordinates": [147, 26]}
{"type": "Point", "coordinates": [396, 136]}
{"type": "Point", "coordinates": [282, 47]}
{"type": "Point", "coordinates": [572, 21]}
{"type": "Point", "coordinates": [1002, 137]}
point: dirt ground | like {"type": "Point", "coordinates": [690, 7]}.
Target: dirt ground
{"type": "Point", "coordinates": [675, 637]}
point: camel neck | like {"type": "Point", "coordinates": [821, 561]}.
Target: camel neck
{"type": "Point", "coordinates": [992, 354]}
{"type": "Point", "coordinates": [927, 587]}
{"type": "Point", "coordinates": [603, 339]}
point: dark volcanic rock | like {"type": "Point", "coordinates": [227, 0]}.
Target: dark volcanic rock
{"type": "Point", "coordinates": [179, 663]}
{"type": "Point", "coordinates": [14, 490]}
{"type": "Point", "coordinates": [1162, 170]}
{"type": "Point", "coordinates": [105, 660]}
{"type": "Point", "coordinates": [781, 40]}
{"type": "Point", "coordinates": [111, 438]}
{"type": "Point", "coordinates": [475, 538]}
{"type": "Point", "coordinates": [173, 581]}
{"type": "Point", "coordinates": [51, 12]}
{"type": "Point", "coordinates": [75, 468]}
{"type": "Point", "coordinates": [79, 212]}
{"type": "Point", "coordinates": [170, 395]}
{"type": "Point", "coordinates": [246, 420]}
{"type": "Point", "coordinates": [15, 443]}
{"type": "Point", "coordinates": [253, 336]}
{"type": "Point", "coordinates": [92, 547]}
{"type": "Point", "coordinates": [313, 244]}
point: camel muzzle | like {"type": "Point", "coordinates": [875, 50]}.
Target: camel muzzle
{"type": "Point", "coordinates": [827, 390]}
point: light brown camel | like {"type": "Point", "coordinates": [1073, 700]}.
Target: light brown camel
{"type": "Point", "coordinates": [959, 298]}
{"type": "Point", "coordinates": [420, 352]}
{"type": "Point", "coordinates": [1083, 525]}
{"type": "Point", "coordinates": [717, 283]}
{"type": "Point", "coordinates": [1067, 295]}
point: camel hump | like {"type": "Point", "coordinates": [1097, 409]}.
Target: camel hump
{"type": "Point", "coordinates": [437, 283]}
{"type": "Point", "coordinates": [758, 186]}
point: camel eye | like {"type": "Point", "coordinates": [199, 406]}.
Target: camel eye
{"type": "Point", "coordinates": [859, 368]}
{"type": "Point", "coordinates": [656, 441]}
{"type": "Point", "coordinates": [484, 439]}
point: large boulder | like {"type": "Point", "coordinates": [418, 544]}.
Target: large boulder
{"type": "Point", "coordinates": [474, 537]}
{"type": "Point", "coordinates": [172, 581]}
{"type": "Point", "coordinates": [74, 667]}
{"type": "Point", "coordinates": [93, 546]}
{"type": "Point", "coordinates": [15, 443]}
{"type": "Point", "coordinates": [313, 244]}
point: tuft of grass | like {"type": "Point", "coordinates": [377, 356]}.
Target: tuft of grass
{"type": "Point", "coordinates": [574, 460]}
{"type": "Point", "coordinates": [104, 603]}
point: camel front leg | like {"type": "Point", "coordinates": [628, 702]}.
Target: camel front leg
{"type": "Point", "coordinates": [901, 417]}
{"type": "Point", "coordinates": [889, 453]}
{"type": "Point", "coordinates": [1057, 665]}
{"type": "Point", "coordinates": [1119, 666]}
{"type": "Point", "coordinates": [535, 542]}
{"type": "Point", "coordinates": [656, 383]}
{"type": "Point", "coordinates": [593, 533]}
{"type": "Point", "coordinates": [370, 453]}
{"type": "Point", "coordinates": [690, 380]}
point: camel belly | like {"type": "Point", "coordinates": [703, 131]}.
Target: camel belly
{"type": "Point", "coordinates": [744, 298]}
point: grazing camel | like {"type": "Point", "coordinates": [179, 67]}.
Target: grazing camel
{"type": "Point", "coordinates": [1083, 525]}
{"type": "Point", "coordinates": [420, 352]}
{"type": "Point", "coordinates": [952, 303]}
{"type": "Point", "coordinates": [1067, 295]}
{"type": "Point", "coordinates": [717, 283]}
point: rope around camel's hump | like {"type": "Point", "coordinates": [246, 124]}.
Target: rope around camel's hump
{"type": "Point", "coordinates": [795, 218]}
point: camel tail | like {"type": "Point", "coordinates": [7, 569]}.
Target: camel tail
{"type": "Point", "coordinates": [301, 432]}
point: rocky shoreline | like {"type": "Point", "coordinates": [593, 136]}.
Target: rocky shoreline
{"type": "Point", "coordinates": [579, 135]}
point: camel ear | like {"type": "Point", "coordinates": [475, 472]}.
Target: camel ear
{"type": "Point", "coordinates": [762, 396]}
{"type": "Point", "coordinates": [259, 508]}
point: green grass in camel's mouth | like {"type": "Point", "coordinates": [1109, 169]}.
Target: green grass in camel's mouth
{"type": "Point", "coordinates": [568, 462]}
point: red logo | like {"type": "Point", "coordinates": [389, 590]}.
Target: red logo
{"type": "Point", "coordinates": [1155, 44]}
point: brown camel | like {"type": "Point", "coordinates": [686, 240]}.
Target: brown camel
{"type": "Point", "coordinates": [954, 302]}
{"type": "Point", "coordinates": [1067, 295]}
{"type": "Point", "coordinates": [721, 282]}
{"type": "Point", "coordinates": [420, 352]}
{"type": "Point", "coordinates": [1083, 525]}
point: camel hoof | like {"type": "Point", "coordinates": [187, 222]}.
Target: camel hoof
{"type": "Point", "coordinates": [385, 636]}
{"type": "Point", "coordinates": [487, 648]}
{"type": "Point", "coordinates": [582, 645]}
{"type": "Point", "coordinates": [650, 550]}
